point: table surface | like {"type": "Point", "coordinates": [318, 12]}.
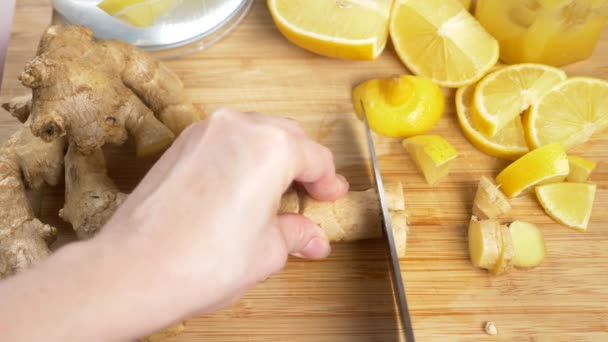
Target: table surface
{"type": "Point", "coordinates": [347, 297]}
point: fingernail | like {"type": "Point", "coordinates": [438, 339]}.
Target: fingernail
{"type": "Point", "coordinates": [317, 248]}
{"type": "Point", "coordinates": [343, 183]}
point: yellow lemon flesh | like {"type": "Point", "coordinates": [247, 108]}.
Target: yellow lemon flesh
{"type": "Point", "coordinates": [571, 113]}
{"type": "Point", "coordinates": [400, 106]}
{"type": "Point", "coordinates": [441, 40]}
{"type": "Point", "coordinates": [139, 13]}
{"type": "Point", "coordinates": [580, 169]}
{"type": "Point", "coordinates": [508, 143]}
{"type": "Point", "coordinates": [432, 154]}
{"type": "Point", "coordinates": [548, 164]}
{"type": "Point", "coordinates": [568, 203]}
{"type": "Point", "coordinates": [506, 93]}
{"type": "Point", "coordinates": [348, 29]}
{"type": "Point", "coordinates": [466, 4]}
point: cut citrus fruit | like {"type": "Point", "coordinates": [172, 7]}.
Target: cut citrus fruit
{"type": "Point", "coordinates": [441, 40]}
{"type": "Point", "coordinates": [400, 106]}
{"type": "Point", "coordinates": [580, 169]}
{"type": "Point", "coordinates": [432, 154]}
{"type": "Point", "coordinates": [507, 143]}
{"type": "Point", "coordinates": [508, 92]}
{"type": "Point", "coordinates": [349, 29]}
{"type": "Point", "coordinates": [568, 203]}
{"type": "Point", "coordinates": [466, 4]}
{"type": "Point", "coordinates": [569, 114]}
{"type": "Point", "coordinates": [139, 13]}
{"type": "Point", "coordinates": [547, 164]}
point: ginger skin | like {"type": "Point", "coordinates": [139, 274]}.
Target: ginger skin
{"type": "Point", "coordinates": [354, 217]}
{"type": "Point", "coordinates": [26, 163]}
{"type": "Point", "coordinates": [90, 195]}
{"type": "Point", "coordinates": [100, 91]}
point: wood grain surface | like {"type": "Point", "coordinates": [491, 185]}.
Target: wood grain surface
{"type": "Point", "coordinates": [347, 297]}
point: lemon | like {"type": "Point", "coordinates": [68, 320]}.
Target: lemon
{"type": "Point", "coordinates": [432, 154]}
{"type": "Point", "coordinates": [507, 143]}
{"type": "Point", "coordinates": [139, 13]}
{"type": "Point", "coordinates": [348, 29]}
{"type": "Point", "coordinates": [506, 93]}
{"type": "Point", "coordinates": [568, 203]}
{"type": "Point", "coordinates": [547, 164]}
{"type": "Point", "coordinates": [400, 106]}
{"type": "Point", "coordinates": [441, 40]}
{"type": "Point", "coordinates": [466, 4]}
{"type": "Point", "coordinates": [570, 113]}
{"type": "Point", "coordinates": [580, 169]}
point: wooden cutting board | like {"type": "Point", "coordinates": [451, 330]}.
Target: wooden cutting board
{"type": "Point", "coordinates": [347, 297]}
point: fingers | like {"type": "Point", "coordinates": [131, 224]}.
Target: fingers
{"type": "Point", "coordinates": [316, 171]}
{"type": "Point", "coordinates": [315, 167]}
{"type": "Point", "coordinates": [302, 237]}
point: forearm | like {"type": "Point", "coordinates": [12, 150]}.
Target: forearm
{"type": "Point", "coordinates": [98, 290]}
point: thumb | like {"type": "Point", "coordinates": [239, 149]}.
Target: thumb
{"type": "Point", "coordinates": [302, 237]}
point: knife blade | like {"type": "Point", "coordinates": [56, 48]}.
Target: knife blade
{"type": "Point", "coordinates": [397, 280]}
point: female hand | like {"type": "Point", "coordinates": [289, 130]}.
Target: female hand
{"type": "Point", "coordinates": [198, 231]}
{"type": "Point", "coordinates": [208, 208]}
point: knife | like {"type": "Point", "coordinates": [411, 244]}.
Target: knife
{"type": "Point", "coordinates": [397, 281]}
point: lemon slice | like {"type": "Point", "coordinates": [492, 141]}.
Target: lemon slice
{"type": "Point", "coordinates": [441, 40]}
{"type": "Point", "coordinates": [568, 203]}
{"type": "Point", "coordinates": [432, 154]}
{"type": "Point", "coordinates": [349, 29]}
{"type": "Point", "coordinates": [466, 4]}
{"type": "Point", "coordinates": [506, 93]}
{"type": "Point", "coordinates": [507, 143]}
{"type": "Point", "coordinates": [569, 114]}
{"type": "Point", "coordinates": [139, 13]}
{"type": "Point", "coordinates": [400, 106]}
{"type": "Point", "coordinates": [580, 169]}
{"type": "Point", "coordinates": [547, 164]}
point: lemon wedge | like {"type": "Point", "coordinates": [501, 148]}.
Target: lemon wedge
{"type": "Point", "coordinates": [348, 29]}
{"type": "Point", "coordinates": [568, 203]}
{"type": "Point", "coordinates": [400, 106]}
{"type": "Point", "coordinates": [571, 113]}
{"type": "Point", "coordinates": [441, 40]}
{"type": "Point", "coordinates": [547, 164]}
{"type": "Point", "coordinates": [432, 154]}
{"type": "Point", "coordinates": [506, 93]}
{"type": "Point", "coordinates": [466, 4]}
{"type": "Point", "coordinates": [580, 169]}
{"type": "Point", "coordinates": [508, 143]}
{"type": "Point", "coordinates": [139, 13]}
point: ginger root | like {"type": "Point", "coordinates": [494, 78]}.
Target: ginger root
{"type": "Point", "coordinates": [91, 197]}
{"type": "Point", "coordinates": [528, 243]}
{"type": "Point", "coordinates": [26, 163]}
{"type": "Point", "coordinates": [99, 91]}
{"type": "Point", "coordinates": [356, 216]}
{"type": "Point", "coordinates": [489, 201]}
{"type": "Point", "coordinates": [484, 242]}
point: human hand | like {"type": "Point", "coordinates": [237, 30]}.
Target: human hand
{"type": "Point", "coordinates": [207, 211]}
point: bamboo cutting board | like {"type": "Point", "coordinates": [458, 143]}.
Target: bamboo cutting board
{"type": "Point", "coordinates": [347, 297]}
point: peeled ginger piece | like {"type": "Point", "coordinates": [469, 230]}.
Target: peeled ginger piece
{"type": "Point", "coordinates": [507, 253]}
{"type": "Point", "coordinates": [484, 239]}
{"type": "Point", "coordinates": [528, 244]}
{"type": "Point", "coordinates": [489, 202]}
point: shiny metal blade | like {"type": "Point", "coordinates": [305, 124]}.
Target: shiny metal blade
{"type": "Point", "coordinates": [397, 281]}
